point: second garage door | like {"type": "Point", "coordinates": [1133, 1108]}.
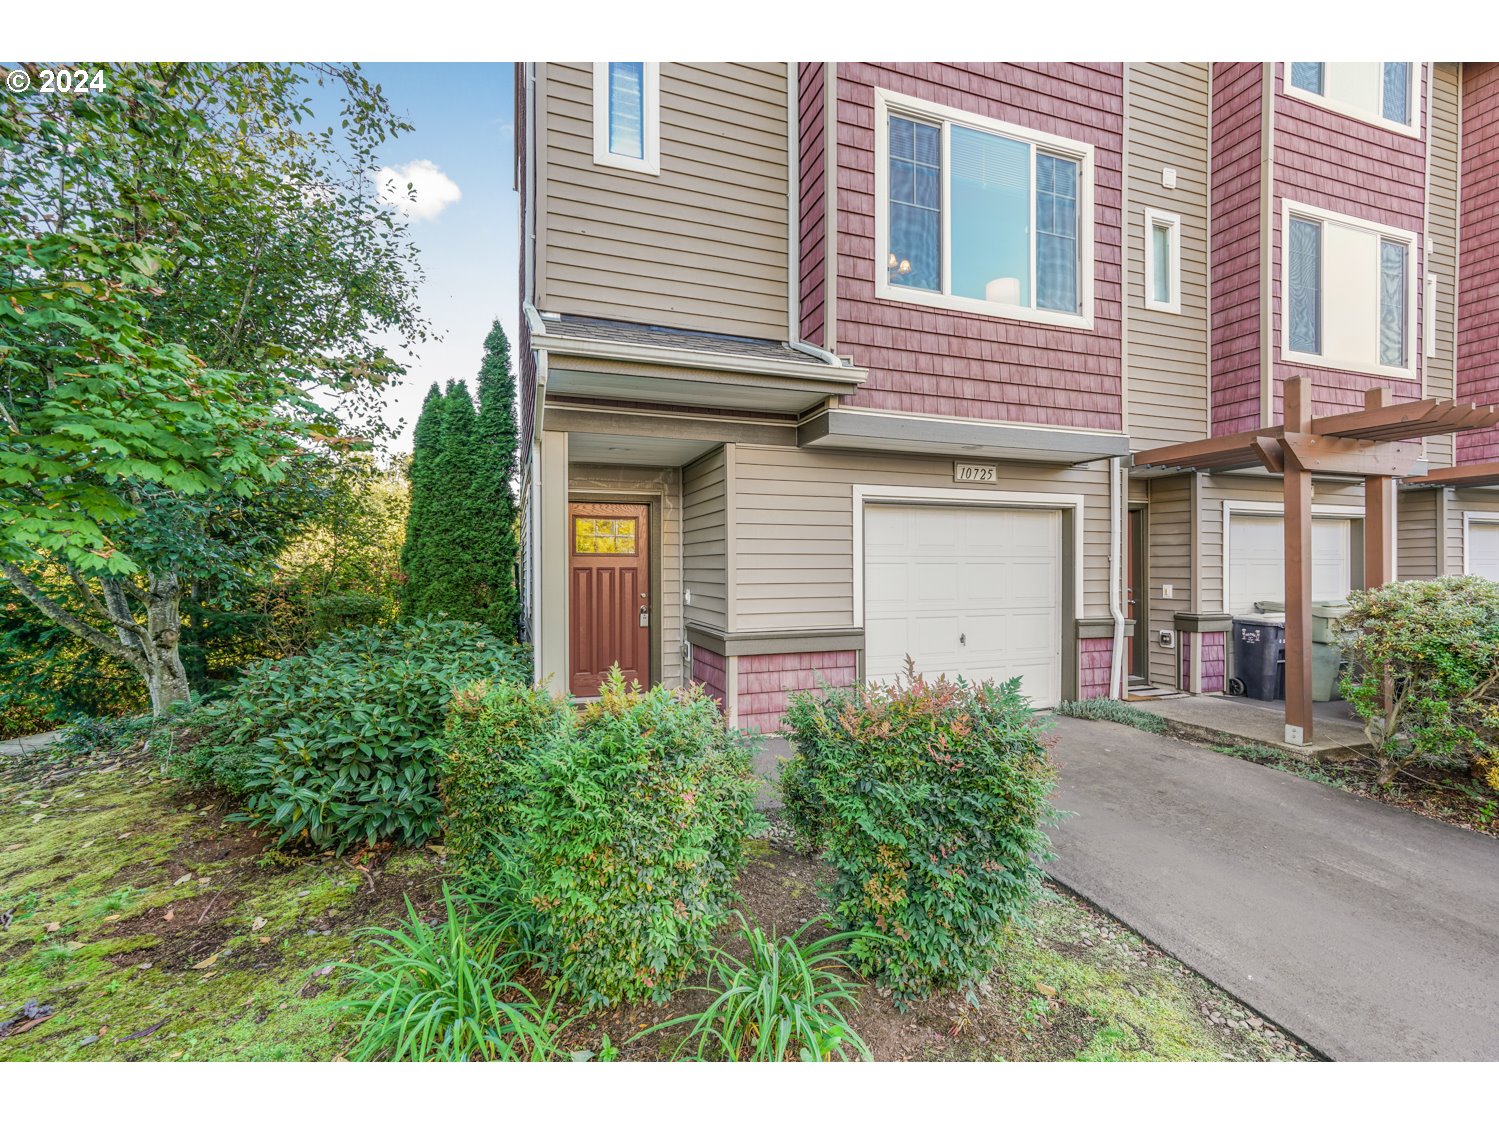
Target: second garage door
{"type": "Point", "coordinates": [975, 592]}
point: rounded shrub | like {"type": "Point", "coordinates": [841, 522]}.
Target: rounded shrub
{"type": "Point", "coordinates": [634, 825]}
{"type": "Point", "coordinates": [340, 746]}
{"type": "Point", "coordinates": [927, 799]}
{"type": "Point", "coordinates": [492, 731]}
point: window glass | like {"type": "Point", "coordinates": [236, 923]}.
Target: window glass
{"type": "Point", "coordinates": [603, 536]}
{"type": "Point", "coordinates": [1307, 76]}
{"type": "Point", "coordinates": [1397, 86]}
{"type": "Point", "coordinates": [1160, 251]}
{"type": "Point", "coordinates": [915, 257]}
{"type": "Point", "coordinates": [1305, 283]}
{"type": "Point", "coordinates": [627, 109]}
{"type": "Point", "coordinates": [1056, 233]}
{"type": "Point", "coordinates": [1392, 297]}
{"type": "Point", "coordinates": [991, 217]}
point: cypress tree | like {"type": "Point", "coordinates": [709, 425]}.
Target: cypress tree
{"type": "Point", "coordinates": [420, 555]}
{"type": "Point", "coordinates": [457, 575]}
{"type": "Point", "coordinates": [497, 543]}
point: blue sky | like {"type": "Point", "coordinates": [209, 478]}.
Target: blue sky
{"type": "Point", "coordinates": [463, 115]}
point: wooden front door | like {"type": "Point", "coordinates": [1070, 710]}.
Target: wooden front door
{"type": "Point", "coordinates": [609, 609]}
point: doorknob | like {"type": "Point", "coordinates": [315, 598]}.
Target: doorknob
{"type": "Point", "coordinates": [963, 638]}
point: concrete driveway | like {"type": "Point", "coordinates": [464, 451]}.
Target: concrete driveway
{"type": "Point", "coordinates": [1368, 932]}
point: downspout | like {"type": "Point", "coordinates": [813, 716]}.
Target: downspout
{"type": "Point", "coordinates": [1116, 608]}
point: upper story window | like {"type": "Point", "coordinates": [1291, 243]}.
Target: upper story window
{"type": "Point", "coordinates": [627, 116]}
{"type": "Point", "coordinates": [1163, 260]}
{"type": "Point", "coordinates": [979, 215]}
{"type": "Point", "coordinates": [1383, 93]}
{"type": "Point", "coordinates": [1348, 293]}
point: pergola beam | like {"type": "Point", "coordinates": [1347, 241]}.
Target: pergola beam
{"type": "Point", "coordinates": [1458, 476]}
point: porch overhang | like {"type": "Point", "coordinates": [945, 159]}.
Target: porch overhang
{"type": "Point", "coordinates": [875, 431]}
{"type": "Point", "coordinates": [609, 360]}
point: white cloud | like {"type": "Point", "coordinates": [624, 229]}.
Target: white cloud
{"type": "Point", "coordinates": [429, 193]}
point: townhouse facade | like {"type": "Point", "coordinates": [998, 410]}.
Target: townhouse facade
{"type": "Point", "coordinates": [828, 365]}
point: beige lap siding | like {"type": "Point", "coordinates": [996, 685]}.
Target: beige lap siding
{"type": "Point", "coordinates": [705, 538]}
{"type": "Point", "coordinates": [793, 534]}
{"type": "Point", "coordinates": [766, 683]}
{"type": "Point", "coordinates": [1168, 535]}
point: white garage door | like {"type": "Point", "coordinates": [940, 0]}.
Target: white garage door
{"type": "Point", "coordinates": [975, 592]}
{"type": "Point", "coordinates": [1483, 549]}
{"type": "Point", "coordinates": [1256, 560]}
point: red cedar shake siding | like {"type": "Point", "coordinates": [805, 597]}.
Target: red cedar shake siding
{"type": "Point", "coordinates": [1234, 236]}
{"type": "Point", "coordinates": [1341, 164]}
{"type": "Point", "coordinates": [1095, 659]}
{"type": "Point", "coordinates": [708, 669]}
{"type": "Point", "coordinates": [767, 682]}
{"type": "Point", "coordinates": [813, 204]}
{"type": "Point", "coordinates": [934, 361]}
{"type": "Point", "coordinates": [1478, 294]}
{"type": "Point", "coordinates": [1213, 661]}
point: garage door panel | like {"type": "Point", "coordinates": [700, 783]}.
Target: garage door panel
{"type": "Point", "coordinates": [978, 594]}
{"type": "Point", "coordinates": [1256, 560]}
{"type": "Point", "coordinates": [1483, 549]}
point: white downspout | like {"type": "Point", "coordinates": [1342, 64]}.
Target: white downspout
{"type": "Point", "coordinates": [1116, 609]}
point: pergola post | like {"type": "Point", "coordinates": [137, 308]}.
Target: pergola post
{"type": "Point", "coordinates": [1379, 512]}
{"type": "Point", "coordinates": [1297, 483]}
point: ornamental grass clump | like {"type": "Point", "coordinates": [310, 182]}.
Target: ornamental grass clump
{"type": "Point", "coordinates": [633, 832]}
{"type": "Point", "coordinates": [1424, 673]}
{"type": "Point", "coordinates": [788, 1000]}
{"type": "Point", "coordinates": [927, 799]}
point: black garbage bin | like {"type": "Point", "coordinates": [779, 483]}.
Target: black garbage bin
{"type": "Point", "coordinates": [1259, 656]}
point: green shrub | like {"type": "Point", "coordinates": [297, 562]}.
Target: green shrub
{"type": "Point", "coordinates": [444, 994]}
{"type": "Point", "coordinates": [491, 732]}
{"type": "Point", "coordinates": [785, 1002]}
{"type": "Point", "coordinates": [1436, 645]}
{"type": "Point", "coordinates": [1112, 710]}
{"type": "Point", "coordinates": [634, 829]}
{"type": "Point", "coordinates": [340, 745]}
{"type": "Point", "coordinates": [335, 612]}
{"type": "Point", "coordinates": [927, 799]}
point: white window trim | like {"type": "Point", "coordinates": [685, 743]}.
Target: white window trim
{"type": "Point", "coordinates": [650, 122]}
{"type": "Point", "coordinates": [1154, 218]}
{"type": "Point", "coordinates": [979, 496]}
{"type": "Point", "coordinates": [1469, 518]}
{"type": "Point", "coordinates": [1262, 508]}
{"type": "Point", "coordinates": [1289, 209]}
{"type": "Point", "coordinates": [1348, 109]}
{"type": "Point", "coordinates": [1082, 152]}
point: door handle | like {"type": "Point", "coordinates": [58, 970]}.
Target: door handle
{"type": "Point", "coordinates": [963, 638]}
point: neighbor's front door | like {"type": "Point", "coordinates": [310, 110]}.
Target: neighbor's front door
{"type": "Point", "coordinates": [608, 587]}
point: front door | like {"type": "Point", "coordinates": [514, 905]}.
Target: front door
{"type": "Point", "coordinates": [609, 608]}
{"type": "Point", "coordinates": [1134, 653]}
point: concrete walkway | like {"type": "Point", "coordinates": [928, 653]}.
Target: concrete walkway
{"type": "Point", "coordinates": [19, 747]}
{"type": "Point", "coordinates": [1369, 932]}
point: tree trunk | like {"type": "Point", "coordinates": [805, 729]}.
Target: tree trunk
{"type": "Point", "coordinates": [166, 678]}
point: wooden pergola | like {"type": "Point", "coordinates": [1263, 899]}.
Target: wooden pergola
{"type": "Point", "coordinates": [1371, 443]}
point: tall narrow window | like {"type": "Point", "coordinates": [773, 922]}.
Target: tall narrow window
{"type": "Point", "coordinates": [1392, 298]}
{"type": "Point", "coordinates": [1397, 92]}
{"type": "Point", "coordinates": [1307, 76]}
{"type": "Point", "coordinates": [981, 215]}
{"type": "Point", "coordinates": [915, 255]}
{"type": "Point", "coordinates": [1056, 233]}
{"type": "Point", "coordinates": [627, 109]}
{"type": "Point", "coordinates": [626, 116]}
{"type": "Point", "coordinates": [1162, 261]}
{"type": "Point", "coordinates": [1305, 284]}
